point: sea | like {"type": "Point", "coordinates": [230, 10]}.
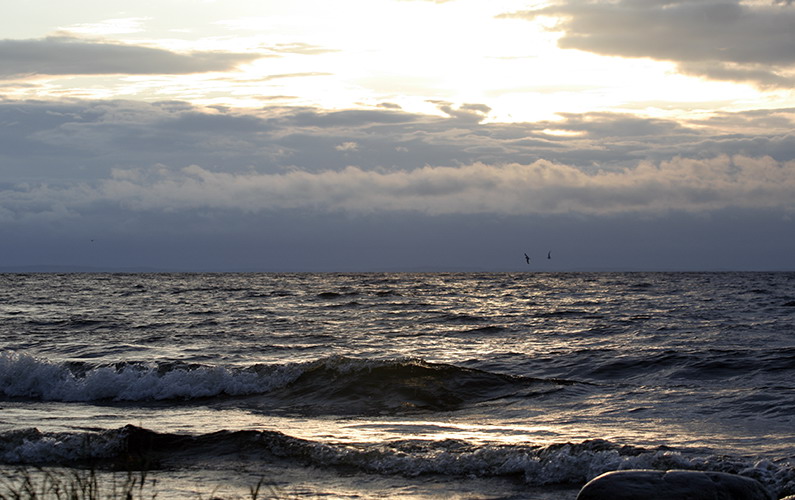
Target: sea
{"type": "Point", "coordinates": [393, 385]}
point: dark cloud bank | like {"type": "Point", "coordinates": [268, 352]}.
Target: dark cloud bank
{"type": "Point", "coordinates": [716, 39]}
{"type": "Point", "coordinates": [120, 184]}
{"type": "Point", "coordinates": [74, 56]}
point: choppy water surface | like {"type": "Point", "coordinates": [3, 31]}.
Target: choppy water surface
{"type": "Point", "coordinates": [413, 385]}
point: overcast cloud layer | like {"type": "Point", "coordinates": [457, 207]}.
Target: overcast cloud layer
{"type": "Point", "coordinates": [173, 156]}
{"type": "Point", "coordinates": [173, 170]}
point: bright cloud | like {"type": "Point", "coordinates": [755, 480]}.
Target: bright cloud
{"type": "Point", "coordinates": [107, 27]}
{"type": "Point", "coordinates": [542, 187]}
{"type": "Point", "coordinates": [631, 56]}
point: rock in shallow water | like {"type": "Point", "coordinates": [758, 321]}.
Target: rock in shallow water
{"type": "Point", "coordinates": [672, 485]}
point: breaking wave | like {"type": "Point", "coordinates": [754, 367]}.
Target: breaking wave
{"type": "Point", "coordinates": [564, 463]}
{"type": "Point", "coordinates": [329, 385]}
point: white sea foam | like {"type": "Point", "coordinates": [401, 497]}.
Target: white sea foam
{"type": "Point", "coordinates": [541, 466]}
{"type": "Point", "coordinates": [569, 463]}
{"type": "Point", "coordinates": [29, 446]}
{"type": "Point", "coordinates": [23, 376]}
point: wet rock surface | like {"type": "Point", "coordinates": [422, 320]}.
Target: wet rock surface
{"type": "Point", "coordinates": [672, 485]}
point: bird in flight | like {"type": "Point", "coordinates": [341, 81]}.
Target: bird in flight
{"type": "Point", "coordinates": [549, 254]}
{"type": "Point", "coordinates": [527, 258]}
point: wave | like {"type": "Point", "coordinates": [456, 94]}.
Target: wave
{"type": "Point", "coordinates": [678, 365]}
{"type": "Point", "coordinates": [349, 386]}
{"type": "Point", "coordinates": [28, 378]}
{"type": "Point", "coordinates": [133, 447]}
{"type": "Point", "coordinates": [335, 385]}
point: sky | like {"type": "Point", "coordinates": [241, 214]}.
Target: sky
{"type": "Point", "coordinates": [397, 135]}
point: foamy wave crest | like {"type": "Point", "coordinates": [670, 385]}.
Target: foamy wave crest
{"type": "Point", "coordinates": [567, 463]}
{"type": "Point", "coordinates": [26, 377]}
{"type": "Point", "coordinates": [30, 446]}
{"type": "Point", "coordinates": [335, 385]}
{"type": "Point", "coordinates": [564, 463]}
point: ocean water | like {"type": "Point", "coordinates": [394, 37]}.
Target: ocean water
{"type": "Point", "coordinates": [513, 385]}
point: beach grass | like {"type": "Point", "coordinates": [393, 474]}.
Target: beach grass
{"type": "Point", "coordinates": [88, 484]}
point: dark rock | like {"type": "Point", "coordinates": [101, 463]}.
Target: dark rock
{"type": "Point", "coordinates": [672, 485]}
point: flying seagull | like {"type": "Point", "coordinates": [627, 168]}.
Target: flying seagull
{"type": "Point", "coordinates": [527, 258]}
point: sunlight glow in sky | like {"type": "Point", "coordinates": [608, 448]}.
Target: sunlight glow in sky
{"type": "Point", "coordinates": [362, 53]}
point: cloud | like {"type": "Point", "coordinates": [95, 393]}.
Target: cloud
{"type": "Point", "coordinates": [77, 141]}
{"type": "Point", "coordinates": [542, 187]}
{"type": "Point", "coordinates": [116, 26]}
{"type": "Point", "coordinates": [466, 112]}
{"type": "Point", "coordinates": [61, 159]}
{"type": "Point", "coordinates": [73, 56]}
{"type": "Point", "coordinates": [299, 48]}
{"type": "Point", "coordinates": [174, 185]}
{"type": "Point", "coordinates": [718, 39]}
{"type": "Point", "coordinates": [347, 146]}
